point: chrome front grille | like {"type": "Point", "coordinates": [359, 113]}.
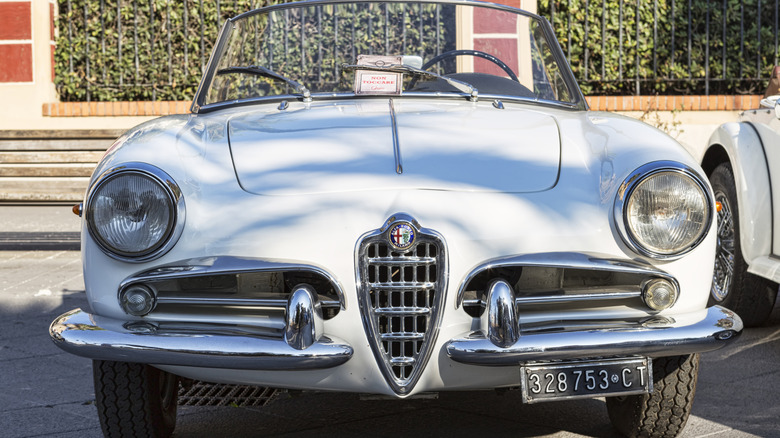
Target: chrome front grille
{"type": "Point", "coordinates": [400, 297]}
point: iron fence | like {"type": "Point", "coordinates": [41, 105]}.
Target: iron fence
{"type": "Point", "coordinates": [157, 49]}
{"type": "Point", "coordinates": [137, 49]}
{"type": "Point", "coordinates": [668, 46]}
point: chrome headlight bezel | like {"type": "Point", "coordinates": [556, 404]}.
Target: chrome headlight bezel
{"type": "Point", "coordinates": [626, 190]}
{"type": "Point", "coordinates": [176, 208]}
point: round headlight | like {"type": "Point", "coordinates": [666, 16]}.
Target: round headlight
{"type": "Point", "coordinates": [665, 210]}
{"type": "Point", "coordinates": [134, 212]}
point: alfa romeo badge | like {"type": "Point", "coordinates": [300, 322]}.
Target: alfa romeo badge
{"type": "Point", "coordinates": [402, 236]}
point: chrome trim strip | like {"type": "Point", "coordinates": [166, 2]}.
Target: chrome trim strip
{"type": "Point", "coordinates": [566, 260]}
{"type": "Point", "coordinates": [333, 96]}
{"type": "Point", "coordinates": [541, 300]}
{"type": "Point", "coordinates": [95, 337]}
{"type": "Point", "coordinates": [222, 265]}
{"type": "Point", "coordinates": [627, 188]}
{"type": "Point", "coordinates": [399, 168]}
{"type": "Point", "coordinates": [713, 331]}
{"type": "Point", "coordinates": [555, 299]}
{"type": "Point", "coordinates": [245, 302]}
{"type": "Point", "coordinates": [178, 210]}
{"type": "Point", "coordinates": [211, 66]}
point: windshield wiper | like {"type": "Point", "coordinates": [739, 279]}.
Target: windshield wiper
{"type": "Point", "coordinates": [266, 73]}
{"type": "Point", "coordinates": [403, 68]}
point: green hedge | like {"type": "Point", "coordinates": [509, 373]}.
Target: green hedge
{"type": "Point", "coordinates": [164, 65]}
{"type": "Point", "coordinates": [167, 62]}
{"type": "Point", "coordinates": [663, 68]}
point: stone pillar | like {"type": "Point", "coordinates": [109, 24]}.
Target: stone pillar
{"type": "Point", "coordinates": [26, 61]}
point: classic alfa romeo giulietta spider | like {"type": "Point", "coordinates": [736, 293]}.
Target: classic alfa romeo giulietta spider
{"type": "Point", "coordinates": [396, 198]}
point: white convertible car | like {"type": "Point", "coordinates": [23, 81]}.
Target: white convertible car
{"type": "Point", "coordinates": [743, 162]}
{"type": "Point", "coordinates": [396, 198]}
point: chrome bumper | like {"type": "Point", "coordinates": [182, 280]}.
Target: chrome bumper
{"type": "Point", "coordinates": [82, 334]}
{"type": "Point", "coordinates": [654, 337]}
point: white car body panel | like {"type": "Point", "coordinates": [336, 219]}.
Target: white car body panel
{"type": "Point", "coordinates": [751, 148]}
{"type": "Point", "coordinates": [336, 147]}
{"type": "Point", "coordinates": [755, 215]}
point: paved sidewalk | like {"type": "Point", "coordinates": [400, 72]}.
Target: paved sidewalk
{"type": "Point", "coordinates": [39, 228]}
{"type": "Point", "coordinates": [58, 218]}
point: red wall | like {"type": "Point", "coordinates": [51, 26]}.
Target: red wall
{"type": "Point", "coordinates": [16, 45]}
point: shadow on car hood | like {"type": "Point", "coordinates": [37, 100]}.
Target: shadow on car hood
{"type": "Point", "coordinates": [348, 146]}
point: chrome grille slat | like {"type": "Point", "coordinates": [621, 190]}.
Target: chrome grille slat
{"type": "Point", "coordinates": [401, 336]}
{"type": "Point", "coordinates": [401, 293]}
{"type": "Point", "coordinates": [402, 311]}
{"type": "Point", "coordinates": [402, 286]}
{"type": "Point", "coordinates": [403, 261]}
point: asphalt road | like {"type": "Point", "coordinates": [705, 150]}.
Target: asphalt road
{"type": "Point", "coordinates": [45, 392]}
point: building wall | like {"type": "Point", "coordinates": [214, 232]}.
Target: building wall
{"type": "Point", "coordinates": [26, 58]}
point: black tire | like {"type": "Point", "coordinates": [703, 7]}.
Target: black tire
{"type": "Point", "coordinates": [664, 412]}
{"type": "Point", "coordinates": [750, 296]}
{"type": "Point", "coordinates": [135, 400]}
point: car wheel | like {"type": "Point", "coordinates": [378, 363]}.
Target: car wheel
{"type": "Point", "coordinates": [750, 296]}
{"type": "Point", "coordinates": [663, 412]}
{"type": "Point", "coordinates": [135, 399]}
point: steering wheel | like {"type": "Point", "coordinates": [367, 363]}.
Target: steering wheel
{"type": "Point", "coordinates": [478, 54]}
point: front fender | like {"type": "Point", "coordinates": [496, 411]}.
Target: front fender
{"type": "Point", "coordinates": [745, 151]}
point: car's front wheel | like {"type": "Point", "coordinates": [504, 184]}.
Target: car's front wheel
{"type": "Point", "coordinates": [135, 399]}
{"type": "Point", "coordinates": [733, 287]}
{"type": "Point", "coordinates": [663, 412]}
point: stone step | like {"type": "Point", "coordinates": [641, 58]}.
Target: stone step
{"type": "Point", "coordinates": [50, 166]}
{"type": "Point", "coordinates": [35, 170]}
{"type": "Point", "coordinates": [53, 189]}
{"type": "Point", "coordinates": [78, 134]}
{"type": "Point", "coordinates": [56, 144]}
{"type": "Point", "coordinates": [30, 157]}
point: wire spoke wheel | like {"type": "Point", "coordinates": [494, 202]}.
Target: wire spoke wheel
{"type": "Point", "coordinates": [750, 296]}
{"type": "Point", "coordinates": [723, 275]}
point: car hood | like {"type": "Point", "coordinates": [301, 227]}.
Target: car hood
{"type": "Point", "coordinates": [349, 146]}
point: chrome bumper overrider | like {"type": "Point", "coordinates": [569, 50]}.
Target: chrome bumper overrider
{"type": "Point", "coordinates": [82, 334]}
{"type": "Point", "coordinates": [654, 337]}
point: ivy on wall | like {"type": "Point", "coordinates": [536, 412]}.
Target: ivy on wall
{"type": "Point", "coordinates": [110, 50]}
{"type": "Point", "coordinates": [667, 46]}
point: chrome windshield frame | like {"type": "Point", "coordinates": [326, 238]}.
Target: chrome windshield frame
{"type": "Point", "coordinates": [577, 102]}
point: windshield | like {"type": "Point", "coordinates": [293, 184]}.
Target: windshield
{"type": "Point", "coordinates": [438, 49]}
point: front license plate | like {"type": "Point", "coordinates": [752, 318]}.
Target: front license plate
{"type": "Point", "coordinates": [586, 379]}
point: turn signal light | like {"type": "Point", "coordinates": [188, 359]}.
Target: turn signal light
{"type": "Point", "coordinates": [138, 300]}
{"type": "Point", "coordinates": [659, 294]}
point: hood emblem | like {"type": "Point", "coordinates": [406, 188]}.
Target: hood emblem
{"type": "Point", "coordinates": [402, 236]}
